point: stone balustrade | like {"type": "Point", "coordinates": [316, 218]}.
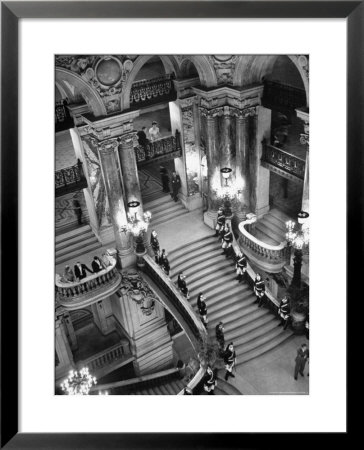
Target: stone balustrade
{"type": "Point", "coordinates": [164, 148]}
{"type": "Point", "coordinates": [176, 304]}
{"type": "Point", "coordinates": [91, 289]}
{"type": "Point", "coordinates": [155, 90]}
{"type": "Point", "coordinates": [106, 357]}
{"type": "Point", "coordinates": [270, 258]}
{"type": "Point", "coordinates": [283, 163]}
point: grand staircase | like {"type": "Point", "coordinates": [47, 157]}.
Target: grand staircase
{"type": "Point", "coordinates": [271, 229]}
{"type": "Point", "coordinates": [253, 330]}
{"type": "Point", "coordinates": [164, 209]}
{"type": "Point", "coordinates": [173, 387]}
{"type": "Point", "coordinates": [75, 243]}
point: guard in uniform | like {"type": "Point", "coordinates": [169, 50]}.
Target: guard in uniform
{"type": "Point", "coordinates": [164, 262]}
{"type": "Point", "coordinates": [220, 222]}
{"type": "Point", "coordinates": [154, 242]}
{"type": "Point", "coordinates": [301, 359]}
{"type": "Point", "coordinates": [182, 285]}
{"type": "Point", "coordinates": [259, 289]}
{"type": "Point", "coordinates": [209, 381]}
{"type": "Point", "coordinates": [229, 360]}
{"type": "Point", "coordinates": [227, 241]}
{"type": "Point", "coordinates": [202, 308]}
{"type": "Point", "coordinates": [284, 312]}
{"type": "Point", "coordinates": [241, 267]}
{"type": "Point", "coordinates": [220, 335]}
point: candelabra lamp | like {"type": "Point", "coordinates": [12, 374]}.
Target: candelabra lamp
{"type": "Point", "coordinates": [78, 383]}
{"type": "Point", "coordinates": [298, 239]}
{"type": "Point", "coordinates": [228, 192]}
{"type": "Point", "coordinates": [137, 226]}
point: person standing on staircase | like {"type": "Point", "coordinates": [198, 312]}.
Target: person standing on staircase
{"type": "Point", "coordinates": [202, 308]}
{"type": "Point", "coordinates": [78, 210]}
{"type": "Point", "coordinates": [227, 241]}
{"type": "Point", "coordinates": [220, 221]}
{"type": "Point", "coordinates": [219, 330]}
{"type": "Point", "coordinates": [259, 290]}
{"type": "Point", "coordinates": [164, 262]}
{"type": "Point", "coordinates": [229, 360]}
{"type": "Point", "coordinates": [182, 285]}
{"type": "Point", "coordinates": [284, 313]}
{"type": "Point", "coordinates": [209, 381]}
{"type": "Point", "coordinates": [164, 179]}
{"type": "Point", "coordinates": [241, 267]}
{"type": "Point", "coordinates": [154, 242]}
{"type": "Point", "coordinates": [176, 184]}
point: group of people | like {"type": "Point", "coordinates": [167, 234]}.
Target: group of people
{"type": "Point", "coordinates": [174, 180]}
{"type": "Point", "coordinates": [80, 270]}
{"type": "Point", "coordinates": [160, 256]}
{"type": "Point", "coordinates": [153, 134]}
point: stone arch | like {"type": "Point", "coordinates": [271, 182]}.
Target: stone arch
{"type": "Point", "coordinates": [204, 68]}
{"type": "Point", "coordinates": [170, 66]}
{"type": "Point", "coordinates": [65, 78]}
{"type": "Point", "coordinates": [251, 69]}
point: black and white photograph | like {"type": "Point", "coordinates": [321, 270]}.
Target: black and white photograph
{"type": "Point", "coordinates": [182, 224]}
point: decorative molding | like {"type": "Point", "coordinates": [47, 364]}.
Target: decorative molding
{"type": "Point", "coordinates": [224, 66]}
{"type": "Point", "coordinates": [129, 138]}
{"type": "Point", "coordinates": [107, 146]}
{"type": "Point", "coordinates": [136, 288]}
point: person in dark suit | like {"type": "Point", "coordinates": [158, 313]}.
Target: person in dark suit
{"type": "Point", "coordinates": [78, 210]}
{"type": "Point", "coordinates": [301, 359]}
{"type": "Point", "coordinates": [97, 265]}
{"type": "Point", "coordinates": [80, 271]}
{"type": "Point", "coordinates": [176, 184]}
{"type": "Point", "coordinates": [142, 137]}
{"type": "Point", "coordinates": [164, 262]}
{"type": "Point", "coordinates": [164, 179]}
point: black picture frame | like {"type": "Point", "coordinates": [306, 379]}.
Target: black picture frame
{"type": "Point", "coordinates": [11, 12]}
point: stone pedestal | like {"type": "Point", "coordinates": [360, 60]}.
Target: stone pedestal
{"type": "Point", "coordinates": [142, 317]}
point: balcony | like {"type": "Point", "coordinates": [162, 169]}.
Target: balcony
{"type": "Point", "coordinates": [70, 179]}
{"type": "Point", "coordinates": [283, 163]}
{"type": "Point", "coordinates": [270, 258]}
{"type": "Point", "coordinates": [282, 97]}
{"type": "Point", "coordinates": [90, 290]}
{"type": "Point", "coordinates": [160, 150]}
{"type": "Point", "coordinates": [150, 92]}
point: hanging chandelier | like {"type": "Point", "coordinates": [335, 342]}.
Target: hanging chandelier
{"type": "Point", "coordinates": [298, 237]}
{"type": "Point", "coordinates": [135, 224]}
{"type": "Point", "coordinates": [78, 383]}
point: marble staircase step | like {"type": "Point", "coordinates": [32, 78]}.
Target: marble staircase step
{"type": "Point", "coordinates": [280, 215]}
{"type": "Point", "coordinates": [77, 246]}
{"type": "Point", "coordinates": [263, 228]}
{"type": "Point", "coordinates": [168, 218]}
{"type": "Point", "coordinates": [78, 253]}
{"type": "Point", "coordinates": [265, 347]}
{"type": "Point", "coordinates": [184, 250]}
{"type": "Point", "coordinates": [256, 338]}
{"type": "Point", "coordinates": [196, 255]}
{"type": "Point", "coordinates": [275, 224]}
{"type": "Point", "coordinates": [262, 236]}
{"type": "Point", "coordinates": [70, 234]}
{"type": "Point", "coordinates": [74, 240]}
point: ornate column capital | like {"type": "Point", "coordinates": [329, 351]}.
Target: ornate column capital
{"type": "Point", "coordinates": [128, 139]}
{"type": "Point", "coordinates": [243, 114]}
{"type": "Point", "coordinates": [107, 146]}
{"type": "Point", "coordinates": [187, 103]}
{"type": "Point", "coordinates": [211, 113]}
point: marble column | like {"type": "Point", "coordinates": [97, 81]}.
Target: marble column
{"type": "Point", "coordinates": [129, 169]}
{"type": "Point", "coordinates": [242, 164]}
{"type": "Point", "coordinates": [108, 159]}
{"type": "Point", "coordinates": [260, 125]}
{"type": "Point", "coordinates": [213, 167]}
{"type": "Point", "coordinates": [305, 140]}
{"type": "Point", "coordinates": [197, 133]}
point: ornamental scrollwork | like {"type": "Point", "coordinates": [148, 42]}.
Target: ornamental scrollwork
{"type": "Point", "coordinates": [224, 66]}
{"type": "Point", "coordinates": [138, 291]}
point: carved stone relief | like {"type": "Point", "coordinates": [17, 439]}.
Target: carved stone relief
{"type": "Point", "coordinates": [136, 288]}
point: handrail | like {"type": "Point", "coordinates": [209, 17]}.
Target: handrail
{"type": "Point", "coordinates": [283, 160]}
{"type": "Point", "coordinates": [161, 147]}
{"type": "Point", "coordinates": [252, 274]}
{"type": "Point", "coordinates": [70, 176]}
{"type": "Point", "coordinates": [195, 380]}
{"type": "Point", "coordinates": [176, 304]}
{"type": "Point", "coordinates": [88, 278]}
{"type": "Point", "coordinates": [135, 381]}
{"type": "Point", "coordinates": [106, 356]}
{"type": "Point", "coordinates": [252, 238]}
{"type": "Point", "coordinates": [91, 289]}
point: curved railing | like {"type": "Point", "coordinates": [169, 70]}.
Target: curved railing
{"type": "Point", "coordinates": [91, 289]}
{"type": "Point", "coordinates": [268, 257]}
